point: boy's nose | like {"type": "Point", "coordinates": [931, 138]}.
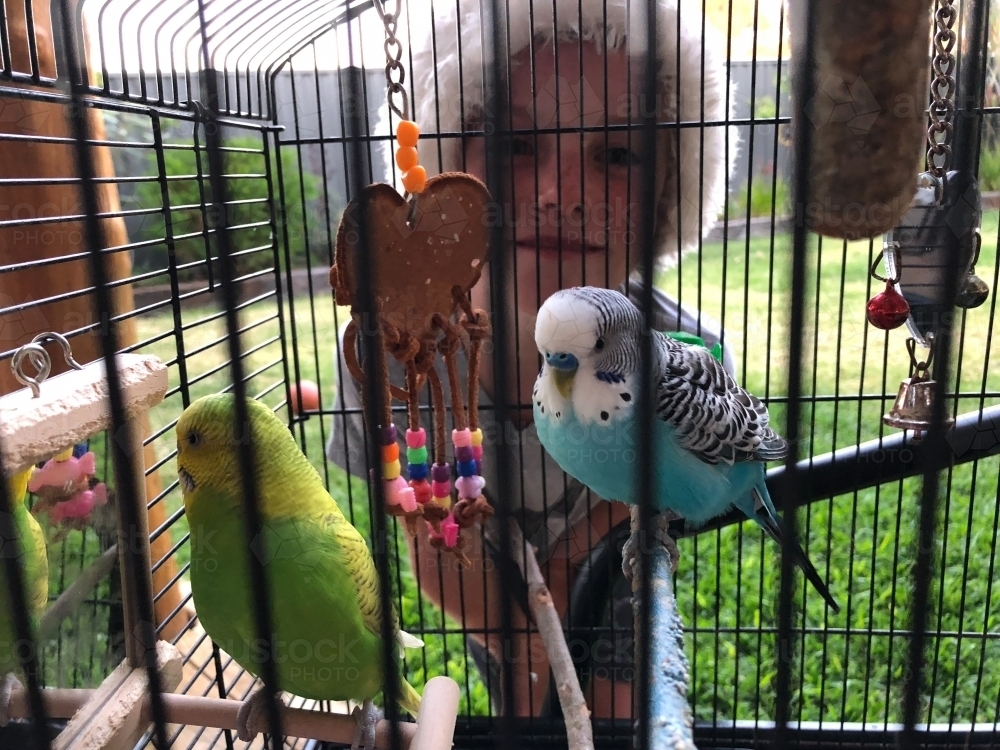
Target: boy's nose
{"type": "Point", "coordinates": [561, 196]}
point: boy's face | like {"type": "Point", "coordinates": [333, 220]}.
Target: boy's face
{"type": "Point", "coordinates": [576, 195]}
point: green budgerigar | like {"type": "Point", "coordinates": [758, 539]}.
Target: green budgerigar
{"type": "Point", "coordinates": [324, 589]}
{"type": "Point", "coordinates": [29, 545]}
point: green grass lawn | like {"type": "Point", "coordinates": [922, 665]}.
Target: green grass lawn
{"type": "Point", "coordinates": [866, 540]}
{"type": "Point", "coordinates": [849, 666]}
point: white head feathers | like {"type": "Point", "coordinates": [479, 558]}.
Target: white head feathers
{"type": "Point", "coordinates": [585, 321]}
{"type": "Point", "coordinates": [566, 323]}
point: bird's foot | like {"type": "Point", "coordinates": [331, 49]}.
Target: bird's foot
{"type": "Point", "coordinates": [8, 684]}
{"type": "Point", "coordinates": [367, 717]}
{"type": "Point", "coordinates": [661, 534]}
{"type": "Point", "coordinates": [249, 714]}
{"type": "Point", "coordinates": [629, 552]}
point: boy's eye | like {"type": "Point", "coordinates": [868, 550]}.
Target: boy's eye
{"type": "Point", "coordinates": [519, 146]}
{"type": "Point", "coordinates": [619, 156]}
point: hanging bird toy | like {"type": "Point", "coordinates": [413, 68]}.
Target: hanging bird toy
{"type": "Point", "coordinates": [940, 230]}
{"type": "Point", "coordinates": [428, 248]}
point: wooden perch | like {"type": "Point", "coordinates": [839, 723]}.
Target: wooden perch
{"type": "Point", "coordinates": [670, 715]}
{"type": "Point", "coordinates": [77, 593]}
{"type": "Point", "coordinates": [434, 730]}
{"type": "Point", "coordinates": [579, 732]}
{"type": "Point", "coordinates": [112, 717]}
{"type": "Point", "coordinates": [74, 406]}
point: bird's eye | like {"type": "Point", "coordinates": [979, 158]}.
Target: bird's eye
{"type": "Point", "coordinates": [599, 345]}
{"type": "Point", "coordinates": [194, 439]}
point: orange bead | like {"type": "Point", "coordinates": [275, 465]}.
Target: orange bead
{"type": "Point", "coordinates": [407, 158]}
{"type": "Point", "coordinates": [390, 453]}
{"type": "Point", "coordinates": [407, 133]}
{"type": "Point", "coordinates": [415, 179]}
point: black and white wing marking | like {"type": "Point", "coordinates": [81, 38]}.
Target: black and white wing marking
{"type": "Point", "coordinates": [714, 418]}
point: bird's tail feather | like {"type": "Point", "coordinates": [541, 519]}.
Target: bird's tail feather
{"type": "Point", "coordinates": [766, 518]}
{"type": "Point", "coordinates": [409, 698]}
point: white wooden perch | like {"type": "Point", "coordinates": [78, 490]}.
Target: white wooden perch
{"type": "Point", "coordinates": [440, 701]}
{"type": "Point", "coordinates": [71, 408]}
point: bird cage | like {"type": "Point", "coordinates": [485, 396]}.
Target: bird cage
{"type": "Point", "coordinates": [183, 212]}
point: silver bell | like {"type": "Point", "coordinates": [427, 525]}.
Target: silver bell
{"type": "Point", "coordinates": [974, 292]}
{"type": "Point", "coordinates": [914, 405]}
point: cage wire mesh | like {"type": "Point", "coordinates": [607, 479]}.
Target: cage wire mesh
{"type": "Point", "coordinates": [278, 110]}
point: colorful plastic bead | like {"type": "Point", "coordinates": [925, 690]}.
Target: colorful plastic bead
{"type": "Point", "coordinates": [417, 455]}
{"type": "Point", "coordinates": [441, 489]}
{"type": "Point", "coordinates": [449, 531]}
{"type": "Point", "coordinates": [407, 500]}
{"type": "Point", "coordinates": [470, 487]}
{"type": "Point", "coordinates": [441, 473]}
{"type": "Point", "coordinates": [419, 471]}
{"type": "Point", "coordinates": [389, 434]}
{"type": "Point", "coordinates": [479, 466]}
{"type": "Point", "coordinates": [391, 470]}
{"type": "Point", "coordinates": [416, 438]}
{"type": "Point", "coordinates": [466, 468]}
{"type": "Point", "coordinates": [461, 438]}
{"type": "Point", "coordinates": [407, 158]}
{"type": "Point", "coordinates": [398, 492]}
{"type": "Point", "coordinates": [390, 453]}
{"type": "Point", "coordinates": [477, 437]}
{"type": "Point", "coordinates": [415, 179]}
{"type": "Point", "coordinates": [422, 490]}
{"type": "Point", "coordinates": [477, 452]}
{"type": "Point", "coordinates": [407, 133]}
{"type": "Point", "coordinates": [464, 453]}
{"type": "Point", "coordinates": [63, 470]}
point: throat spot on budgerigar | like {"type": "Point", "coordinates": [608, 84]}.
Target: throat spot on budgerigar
{"type": "Point", "coordinates": [596, 400]}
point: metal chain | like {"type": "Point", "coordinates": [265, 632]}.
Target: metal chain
{"type": "Point", "coordinates": [942, 109]}
{"type": "Point", "coordinates": [393, 54]}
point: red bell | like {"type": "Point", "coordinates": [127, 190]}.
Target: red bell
{"type": "Point", "coordinates": [888, 309]}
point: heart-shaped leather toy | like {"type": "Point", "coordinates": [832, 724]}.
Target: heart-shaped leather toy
{"type": "Point", "coordinates": [418, 263]}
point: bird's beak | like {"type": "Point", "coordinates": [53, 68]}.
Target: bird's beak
{"type": "Point", "coordinates": [564, 366]}
{"type": "Point", "coordinates": [564, 381]}
{"type": "Point", "coordinates": [186, 481]}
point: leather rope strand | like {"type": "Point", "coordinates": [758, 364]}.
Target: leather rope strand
{"type": "Point", "coordinates": [412, 388]}
{"type": "Point", "coordinates": [476, 325]}
{"type": "Point", "coordinates": [437, 399]}
{"type": "Point", "coordinates": [448, 348]}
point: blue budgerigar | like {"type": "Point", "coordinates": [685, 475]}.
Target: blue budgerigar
{"type": "Point", "coordinates": [712, 438]}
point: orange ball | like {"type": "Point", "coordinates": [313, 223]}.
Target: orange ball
{"type": "Point", "coordinates": [407, 133]}
{"type": "Point", "coordinates": [415, 179]}
{"type": "Point", "coordinates": [308, 391]}
{"type": "Point", "coordinates": [407, 158]}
